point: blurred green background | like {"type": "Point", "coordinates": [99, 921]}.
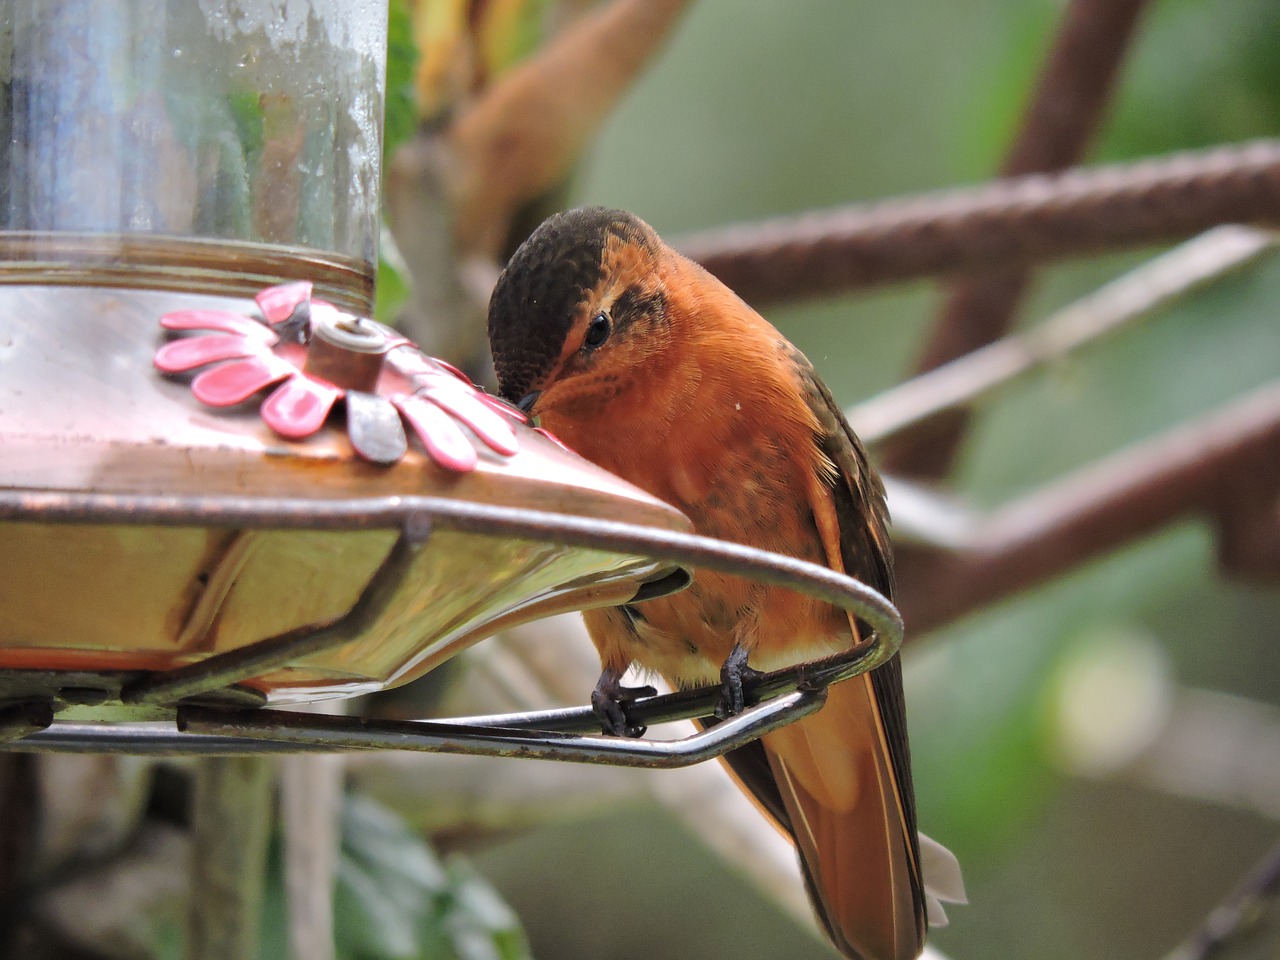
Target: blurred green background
{"type": "Point", "coordinates": [760, 108]}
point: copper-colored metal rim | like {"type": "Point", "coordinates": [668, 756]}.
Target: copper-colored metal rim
{"type": "Point", "coordinates": [794, 692]}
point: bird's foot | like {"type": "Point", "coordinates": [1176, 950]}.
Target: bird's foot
{"type": "Point", "coordinates": [610, 699]}
{"type": "Point", "coordinates": [736, 683]}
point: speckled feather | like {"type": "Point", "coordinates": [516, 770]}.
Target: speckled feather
{"type": "Point", "coordinates": [700, 401]}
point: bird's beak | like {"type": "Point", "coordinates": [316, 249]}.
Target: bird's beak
{"type": "Point", "coordinates": [527, 401]}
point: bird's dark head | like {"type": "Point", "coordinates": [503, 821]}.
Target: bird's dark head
{"type": "Point", "coordinates": [579, 301]}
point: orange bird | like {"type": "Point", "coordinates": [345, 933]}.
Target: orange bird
{"type": "Point", "coordinates": [650, 367]}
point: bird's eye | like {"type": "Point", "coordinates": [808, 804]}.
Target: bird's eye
{"type": "Point", "coordinates": [597, 331]}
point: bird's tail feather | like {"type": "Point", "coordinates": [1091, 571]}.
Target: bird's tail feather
{"type": "Point", "coordinates": [851, 826]}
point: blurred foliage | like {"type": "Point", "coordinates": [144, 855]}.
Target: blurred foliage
{"type": "Point", "coordinates": [464, 44]}
{"type": "Point", "coordinates": [1205, 73]}
{"type": "Point", "coordinates": [402, 61]}
{"type": "Point", "coordinates": [512, 29]}
{"type": "Point", "coordinates": [392, 287]}
{"type": "Point", "coordinates": [395, 900]}
{"type": "Point", "coordinates": [440, 53]}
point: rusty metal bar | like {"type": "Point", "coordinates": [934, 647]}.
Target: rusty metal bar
{"type": "Point", "coordinates": [1009, 223]}
{"type": "Point", "coordinates": [1064, 112]}
{"type": "Point", "coordinates": [1188, 470]}
{"type": "Point", "coordinates": [430, 737]}
{"type": "Point", "coordinates": [1112, 307]}
{"type": "Point", "coordinates": [1075, 86]}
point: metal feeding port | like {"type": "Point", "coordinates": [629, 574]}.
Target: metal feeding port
{"type": "Point", "coordinates": [203, 695]}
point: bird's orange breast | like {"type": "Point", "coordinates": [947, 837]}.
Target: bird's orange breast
{"type": "Point", "coordinates": [717, 425]}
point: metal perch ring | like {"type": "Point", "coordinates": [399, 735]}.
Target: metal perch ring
{"type": "Point", "coordinates": [557, 734]}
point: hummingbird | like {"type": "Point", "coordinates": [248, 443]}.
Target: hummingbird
{"type": "Point", "coordinates": [642, 362]}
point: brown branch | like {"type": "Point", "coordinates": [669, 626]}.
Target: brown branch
{"type": "Point", "coordinates": [232, 822]}
{"type": "Point", "coordinates": [526, 132]}
{"type": "Point", "coordinates": [1075, 86]}
{"type": "Point", "coordinates": [1238, 916]}
{"type": "Point", "coordinates": [1192, 469]}
{"type": "Point", "coordinates": [19, 797]}
{"type": "Point", "coordinates": [1010, 222]}
{"type": "Point", "coordinates": [310, 813]}
{"type": "Point", "coordinates": [1064, 112]}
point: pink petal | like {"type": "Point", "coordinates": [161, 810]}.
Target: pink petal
{"type": "Point", "coordinates": [298, 407]}
{"type": "Point", "coordinates": [409, 362]}
{"type": "Point", "coordinates": [454, 370]}
{"type": "Point", "coordinates": [236, 382]}
{"type": "Point", "coordinates": [395, 340]}
{"type": "Point", "coordinates": [191, 352]}
{"type": "Point", "coordinates": [435, 379]}
{"type": "Point", "coordinates": [443, 438]}
{"type": "Point", "coordinates": [279, 303]}
{"type": "Point", "coordinates": [488, 426]}
{"type": "Point", "coordinates": [554, 439]}
{"type": "Point", "coordinates": [222, 320]}
{"type": "Point", "coordinates": [412, 362]}
{"type": "Point", "coordinates": [504, 408]}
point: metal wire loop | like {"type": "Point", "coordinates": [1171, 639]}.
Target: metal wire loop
{"type": "Point", "coordinates": [785, 695]}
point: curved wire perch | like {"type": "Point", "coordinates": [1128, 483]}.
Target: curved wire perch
{"type": "Point", "coordinates": [204, 731]}
{"type": "Point", "coordinates": [406, 512]}
{"type": "Point", "coordinates": [559, 734]}
{"type": "Point", "coordinates": [429, 736]}
{"type": "Point", "coordinates": [696, 702]}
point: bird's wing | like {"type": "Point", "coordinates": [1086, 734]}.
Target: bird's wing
{"type": "Point", "coordinates": [856, 833]}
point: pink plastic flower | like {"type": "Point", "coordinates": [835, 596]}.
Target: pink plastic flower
{"type": "Point", "coordinates": [383, 379]}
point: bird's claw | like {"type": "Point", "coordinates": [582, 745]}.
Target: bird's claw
{"type": "Point", "coordinates": [736, 682]}
{"type": "Point", "coordinates": [609, 700]}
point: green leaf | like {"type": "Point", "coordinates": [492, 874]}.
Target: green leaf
{"type": "Point", "coordinates": [480, 923]}
{"type": "Point", "coordinates": [396, 901]}
{"type": "Point", "coordinates": [392, 290]}
{"type": "Point", "coordinates": [402, 57]}
{"type": "Point", "coordinates": [513, 31]}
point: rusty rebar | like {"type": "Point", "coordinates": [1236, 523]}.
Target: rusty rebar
{"type": "Point", "coordinates": [908, 407]}
{"type": "Point", "coordinates": [1075, 85]}
{"type": "Point", "coordinates": [1188, 471]}
{"type": "Point", "coordinates": [1004, 223]}
{"type": "Point", "coordinates": [1064, 112]}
